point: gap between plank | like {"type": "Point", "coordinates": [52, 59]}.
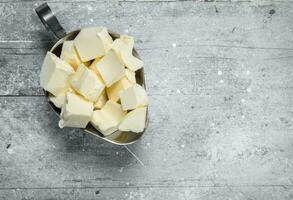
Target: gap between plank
{"type": "Point", "coordinates": [147, 186]}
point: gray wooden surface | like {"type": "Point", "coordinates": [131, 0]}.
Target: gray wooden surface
{"type": "Point", "coordinates": [220, 81]}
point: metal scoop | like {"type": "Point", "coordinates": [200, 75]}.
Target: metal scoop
{"type": "Point", "coordinates": [52, 25]}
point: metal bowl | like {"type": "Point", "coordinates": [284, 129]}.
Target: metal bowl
{"type": "Point", "coordinates": [52, 24]}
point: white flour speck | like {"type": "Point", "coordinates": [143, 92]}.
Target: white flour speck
{"type": "Point", "coordinates": [148, 144]}
{"type": "Point", "coordinates": [243, 117]}
{"type": "Point", "coordinates": [242, 100]}
{"type": "Point", "coordinates": [117, 153]}
{"type": "Point", "coordinates": [127, 183]}
{"type": "Point", "coordinates": [247, 72]}
{"type": "Point", "coordinates": [221, 81]}
{"type": "Point", "coordinates": [190, 61]}
{"type": "Point", "coordinates": [212, 124]}
{"type": "Point", "coordinates": [248, 89]}
{"type": "Point", "coordinates": [164, 159]}
{"type": "Point", "coordinates": [182, 145]}
{"type": "Point", "coordinates": [90, 8]}
{"type": "Point", "coordinates": [126, 31]}
{"type": "Point", "coordinates": [220, 72]}
{"type": "Point", "coordinates": [174, 45]}
{"type": "Point", "coordinates": [121, 169]}
{"type": "Point", "coordinates": [10, 151]}
{"type": "Point", "coordinates": [178, 91]}
{"type": "Point", "coordinates": [91, 20]}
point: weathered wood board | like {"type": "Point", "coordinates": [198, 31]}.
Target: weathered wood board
{"type": "Point", "coordinates": [219, 77]}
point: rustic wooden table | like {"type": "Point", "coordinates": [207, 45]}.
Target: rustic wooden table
{"type": "Point", "coordinates": [220, 81]}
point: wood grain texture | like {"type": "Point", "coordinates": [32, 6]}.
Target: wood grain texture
{"type": "Point", "coordinates": [219, 77]}
{"type": "Point", "coordinates": [207, 193]}
{"type": "Point", "coordinates": [237, 38]}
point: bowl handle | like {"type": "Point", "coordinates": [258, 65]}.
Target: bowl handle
{"type": "Point", "coordinates": [50, 21]}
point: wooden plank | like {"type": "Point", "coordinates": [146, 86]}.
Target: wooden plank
{"type": "Point", "coordinates": [186, 70]}
{"type": "Point", "coordinates": [219, 78]}
{"type": "Point", "coordinates": [219, 193]}
{"type": "Point", "coordinates": [199, 141]}
{"type": "Point", "coordinates": [236, 39]}
{"type": "Point", "coordinates": [153, 1]}
{"type": "Point", "coordinates": [161, 24]}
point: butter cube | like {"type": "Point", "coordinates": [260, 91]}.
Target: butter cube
{"type": "Point", "coordinates": [133, 97]}
{"type": "Point", "coordinates": [123, 48]}
{"type": "Point", "coordinates": [134, 121]}
{"type": "Point", "coordinates": [130, 75]}
{"type": "Point", "coordinates": [92, 43]}
{"type": "Point", "coordinates": [59, 100]}
{"type": "Point", "coordinates": [93, 66]}
{"type": "Point", "coordinates": [76, 111]}
{"type": "Point", "coordinates": [108, 118]}
{"type": "Point", "coordinates": [128, 39]}
{"type": "Point", "coordinates": [55, 74]}
{"type": "Point", "coordinates": [110, 68]}
{"type": "Point", "coordinates": [69, 54]}
{"type": "Point", "coordinates": [101, 100]}
{"type": "Point", "coordinates": [114, 90]}
{"type": "Point", "coordinates": [87, 83]}
{"type": "Point", "coordinates": [130, 61]}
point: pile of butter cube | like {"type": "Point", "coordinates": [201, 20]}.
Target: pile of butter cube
{"type": "Point", "coordinates": [94, 82]}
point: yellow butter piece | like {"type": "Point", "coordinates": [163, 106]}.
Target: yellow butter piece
{"type": "Point", "coordinates": [93, 66]}
{"type": "Point", "coordinates": [87, 83]}
{"type": "Point", "coordinates": [123, 48]}
{"type": "Point", "coordinates": [55, 74]}
{"type": "Point", "coordinates": [59, 100]}
{"type": "Point", "coordinates": [130, 75]}
{"type": "Point", "coordinates": [128, 39]}
{"type": "Point", "coordinates": [108, 118]}
{"type": "Point", "coordinates": [134, 121]}
{"type": "Point", "coordinates": [101, 100]}
{"type": "Point", "coordinates": [76, 111]}
{"type": "Point", "coordinates": [92, 43]}
{"type": "Point", "coordinates": [114, 90]}
{"type": "Point", "coordinates": [110, 68]}
{"type": "Point", "coordinates": [133, 97]}
{"type": "Point", "coordinates": [69, 54]}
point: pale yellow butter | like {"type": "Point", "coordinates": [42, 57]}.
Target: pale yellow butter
{"type": "Point", "coordinates": [69, 54]}
{"type": "Point", "coordinates": [110, 68]}
{"type": "Point", "coordinates": [133, 97]}
{"type": "Point", "coordinates": [130, 75]}
{"type": "Point", "coordinates": [55, 74]}
{"type": "Point", "coordinates": [114, 90]}
{"type": "Point", "coordinates": [134, 121]}
{"type": "Point", "coordinates": [59, 100]}
{"type": "Point", "coordinates": [93, 66]}
{"type": "Point", "coordinates": [76, 111]}
{"type": "Point", "coordinates": [123, 48]}
{"type": "Point", "coordinates": [92, 43]}
{"type": "Point", "coordinates": [108, 118]}
{"type": "Point", "coordinates": [87, 83]}
{"type": "Point", "coordinates": [101, 100]}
